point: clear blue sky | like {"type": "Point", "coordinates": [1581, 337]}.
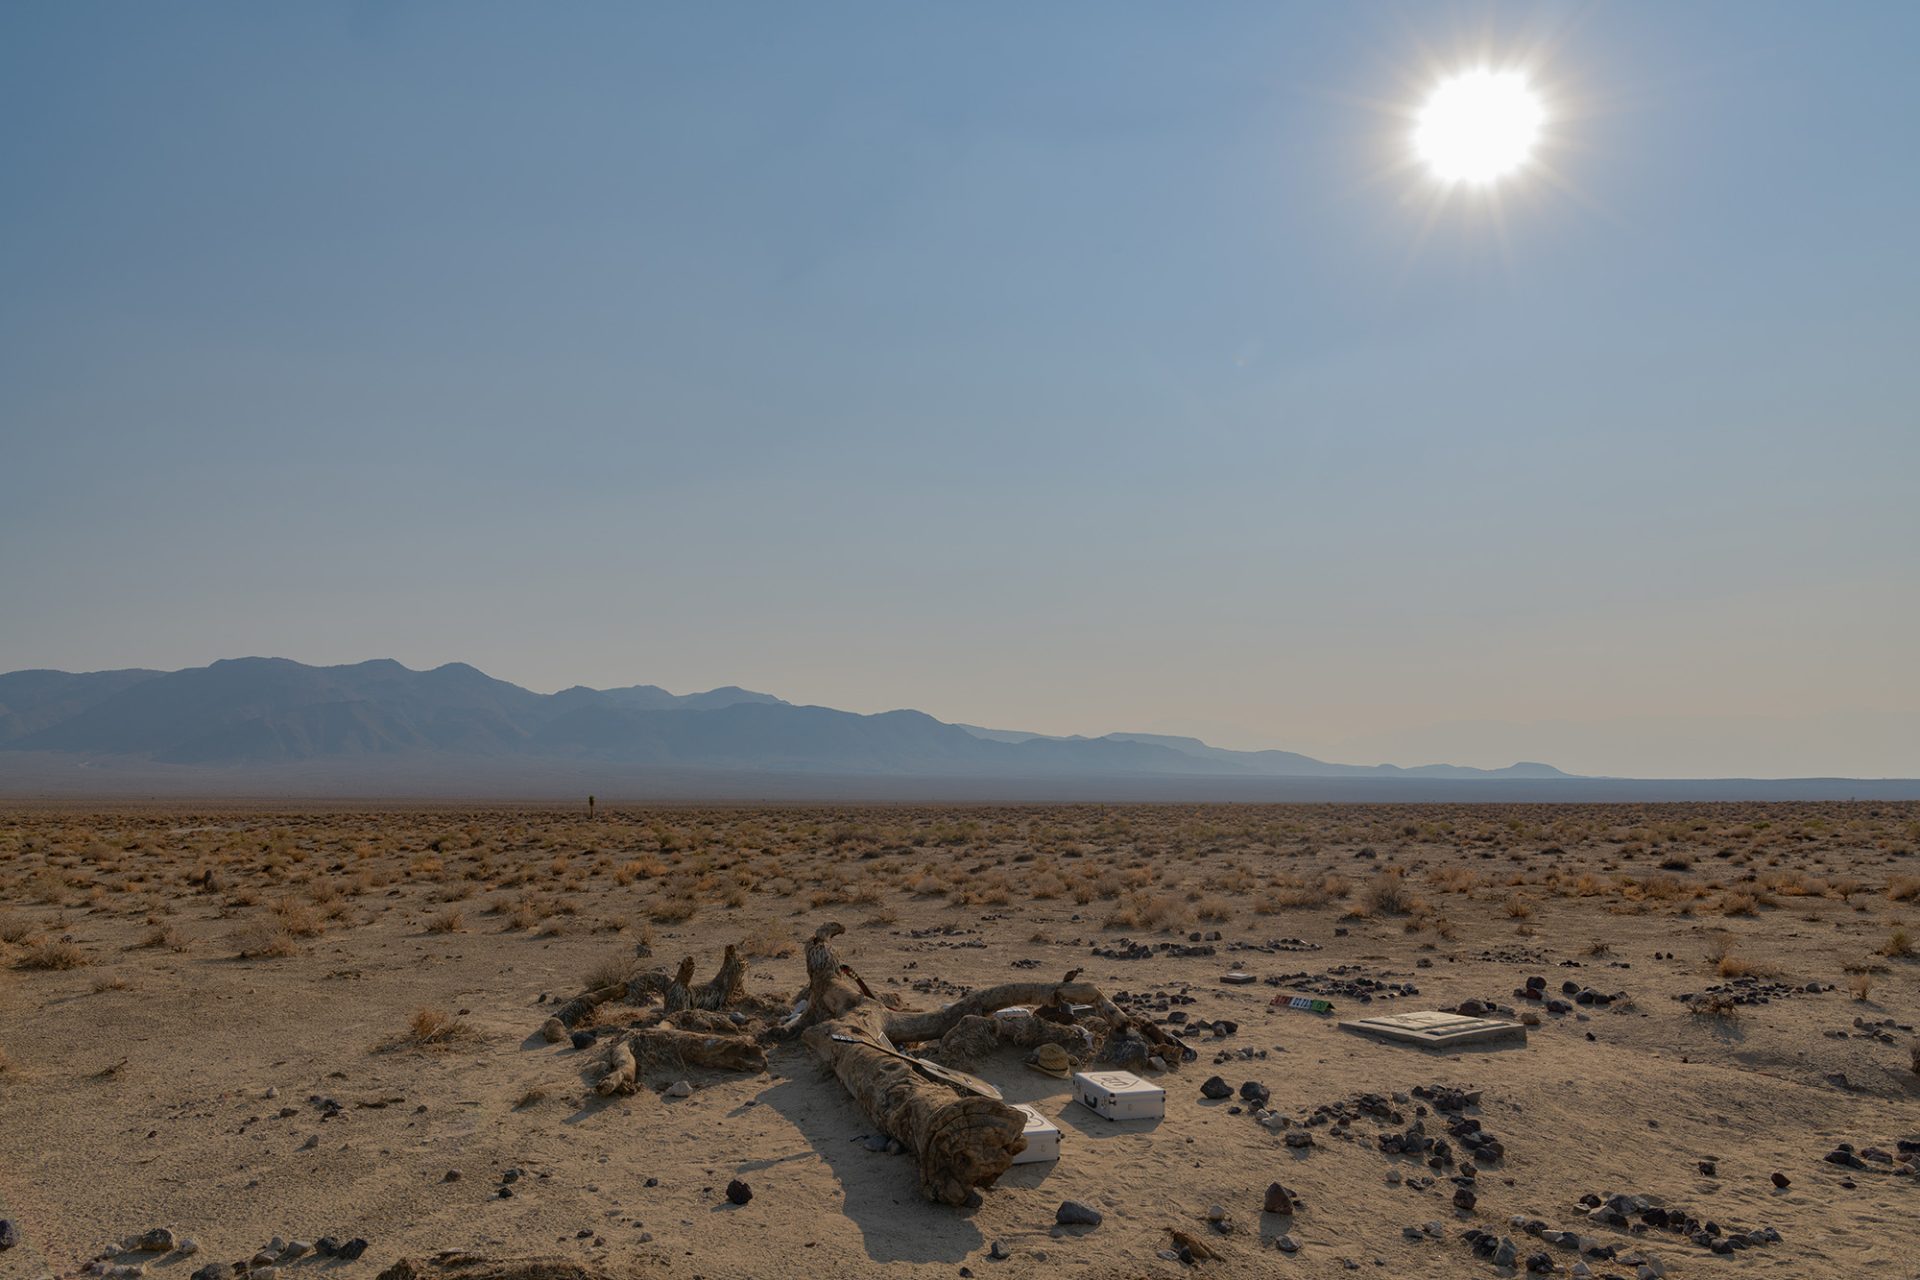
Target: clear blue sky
{"type": "Point", "coordinates": [1063, 367]}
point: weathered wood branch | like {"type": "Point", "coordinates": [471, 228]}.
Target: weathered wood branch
{"type": "Point", "coordinates": [960, 1142]}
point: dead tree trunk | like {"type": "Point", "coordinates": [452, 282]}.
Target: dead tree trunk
{"type": "Point", "coordinates": [963, 1137]}
{"type": "Point", "coordinates": [960, 1142]}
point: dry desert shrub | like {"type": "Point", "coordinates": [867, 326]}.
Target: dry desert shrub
{"type": "Point", "coordinates": [163, 936]}
{"type": "Point", "coordinates": [16, 929]}
{"type": "Point", "coordinates": [1452, 879]}
{"type": "Point", "coordinates": [1517, 907]}
{"type": "Point", "coordinates": [1715, 1006]}
{"type": "Point", "coordinates": [675, 908]}
{"type": "Point", "coordinates": [612, 970]}
{"type": "Point", "coordinates": [263, 940]}
{"type": "Point", "coordinates": [1733, 903]}
{"type": "Point", "coordinates": [297, 918]}
{"type": "Point", "coordinates": [53, 954]}
{"type": "Point", "coordinates": [770, 942]}
{"type": "Point", "coordinates": [433, 1030]}
{"type": "Point", "coordinates": [1719, 946]}
{"type": "Point", "coordinates": [1861, 985]}
{"type": "Point", "coordinates": [1387, 895]}
{"type": "Point", "coordinates": [1904, 888]}
{"type": "Point", "coordinates": [1899, 945]}
{"type": "Point", "coordinates": [452, 920]}
{"type": "Point", "coordinates": [1157, 911]}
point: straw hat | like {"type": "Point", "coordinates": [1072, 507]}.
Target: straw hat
{"type": "Point", "coordinates": [1052, 1060]}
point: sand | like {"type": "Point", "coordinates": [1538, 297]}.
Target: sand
{"type": "Point", "coordinates": [164, 1081]}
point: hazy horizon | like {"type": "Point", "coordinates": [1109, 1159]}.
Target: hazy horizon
{"type": "Point", "coordinates": [1080, 370]}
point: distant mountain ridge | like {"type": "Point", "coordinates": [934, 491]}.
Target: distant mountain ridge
{"type": "Point", "coordinates": [241, 712]}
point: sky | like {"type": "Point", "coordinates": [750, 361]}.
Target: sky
{"type": "Point", "coordinates": [1068, 368]}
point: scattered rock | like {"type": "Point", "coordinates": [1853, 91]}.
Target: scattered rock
{"type": "Point", "coordinates": [352, 1249]}
{"type": "Point", "coordinates": [1216, 1088]}
{"type": "Point", "coordinates": [679, 1089]}
{"type": "Point", "coordinates": [9, 1234]}
{"type": "Point", "coordinates": [1279, 1199]}
{"type": "Point", "coordinates": [738, 1192]}
{"type": "Point", "coordinates": [1072, 1213]}
{"type": "Point", "coordinates": [1782, 1181]}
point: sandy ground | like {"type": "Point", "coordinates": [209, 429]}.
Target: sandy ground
{"type": "Point", "coordinates": [162, 1080]}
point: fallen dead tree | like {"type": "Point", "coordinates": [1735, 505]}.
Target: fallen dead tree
{"type": "Point", "coordinates": [962, 1135]}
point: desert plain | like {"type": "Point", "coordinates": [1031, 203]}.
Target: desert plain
{"type": "Point", "coordinates": [264, 1035]}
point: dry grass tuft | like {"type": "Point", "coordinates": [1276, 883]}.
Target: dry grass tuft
{"type": "Point", "coordinates": [433, 1030]}
{"type": "Point", "coordinates": [1387, 894]}
{"type": "Point", "coordinates": [263, 940]}
{"type": "Point", "coordinates": [1899, 945]}
{"type": "Point", "coordinates": [612, 970]}
{"type": "Point", "coordinates": [53, 955]}
{"type": "Point", "coordinates": [166, 936]}
{"type": "Point", "coordinates": [770, 942]}
{"type": "Point", "coordinates": [452, 920]}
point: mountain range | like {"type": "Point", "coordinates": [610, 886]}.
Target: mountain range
{"type": "Point", "coordinates": [273, 711]}
{"type": "Point", "coordinates": [271, 727]}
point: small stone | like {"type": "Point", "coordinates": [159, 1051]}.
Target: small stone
{"type": "Point", "coordinates": [1278, 1200]}
{"type": "Point", "coordinates": [214, 1271]}
{"type": "Point", "coordinates": [998, 1251]}
{"type": "Point", "coordinates": [313, 1140]}
{"type": "Point", "coordinates": [1287, 1244]}
{"type": "Point", "coordinates": [1782, 1181]}
{"type": "Point", "coordinates": [326, 1247]}
{"type": "Point", "coordinates": [9, 1234]}
{"type": "Point", "coordinates": [353, 1248]}
{"type": "Point", "coordinates": [296, 1249]}
{"type": "Point", "coordinates": [452, 1175]}
{"type": "Point", "coordinates": [582, 1039]}
{"type": "Point", "coordinates": [1072, 1213]}
{"type": "Point", "coordinates": [1216, 1088]}
{"type": "Point", "coordinates": [679, 1089]}
{"type": "Point", "coordinates": [1464, 1199]}
{"type": "Point", "coordinates": [158, 1240]}
{"type": "Point", "coordinates": [738, 1192]}
{"type": "Point", "coordinates": [1708, 1169]}
{"type": "Point", "coordinates": [187, 1248]}
{"type": "Point", "coordinates": [1299, 1138]}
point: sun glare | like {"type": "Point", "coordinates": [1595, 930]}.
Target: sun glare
{"type": "Point", "coordinates": [1479, 126]}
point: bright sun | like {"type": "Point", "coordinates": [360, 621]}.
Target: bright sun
{"type": "Point", "coordinates": [1479, 126]}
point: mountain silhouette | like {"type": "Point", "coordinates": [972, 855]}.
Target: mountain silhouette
{"type": "Point", "coordinates": [258, 711]}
